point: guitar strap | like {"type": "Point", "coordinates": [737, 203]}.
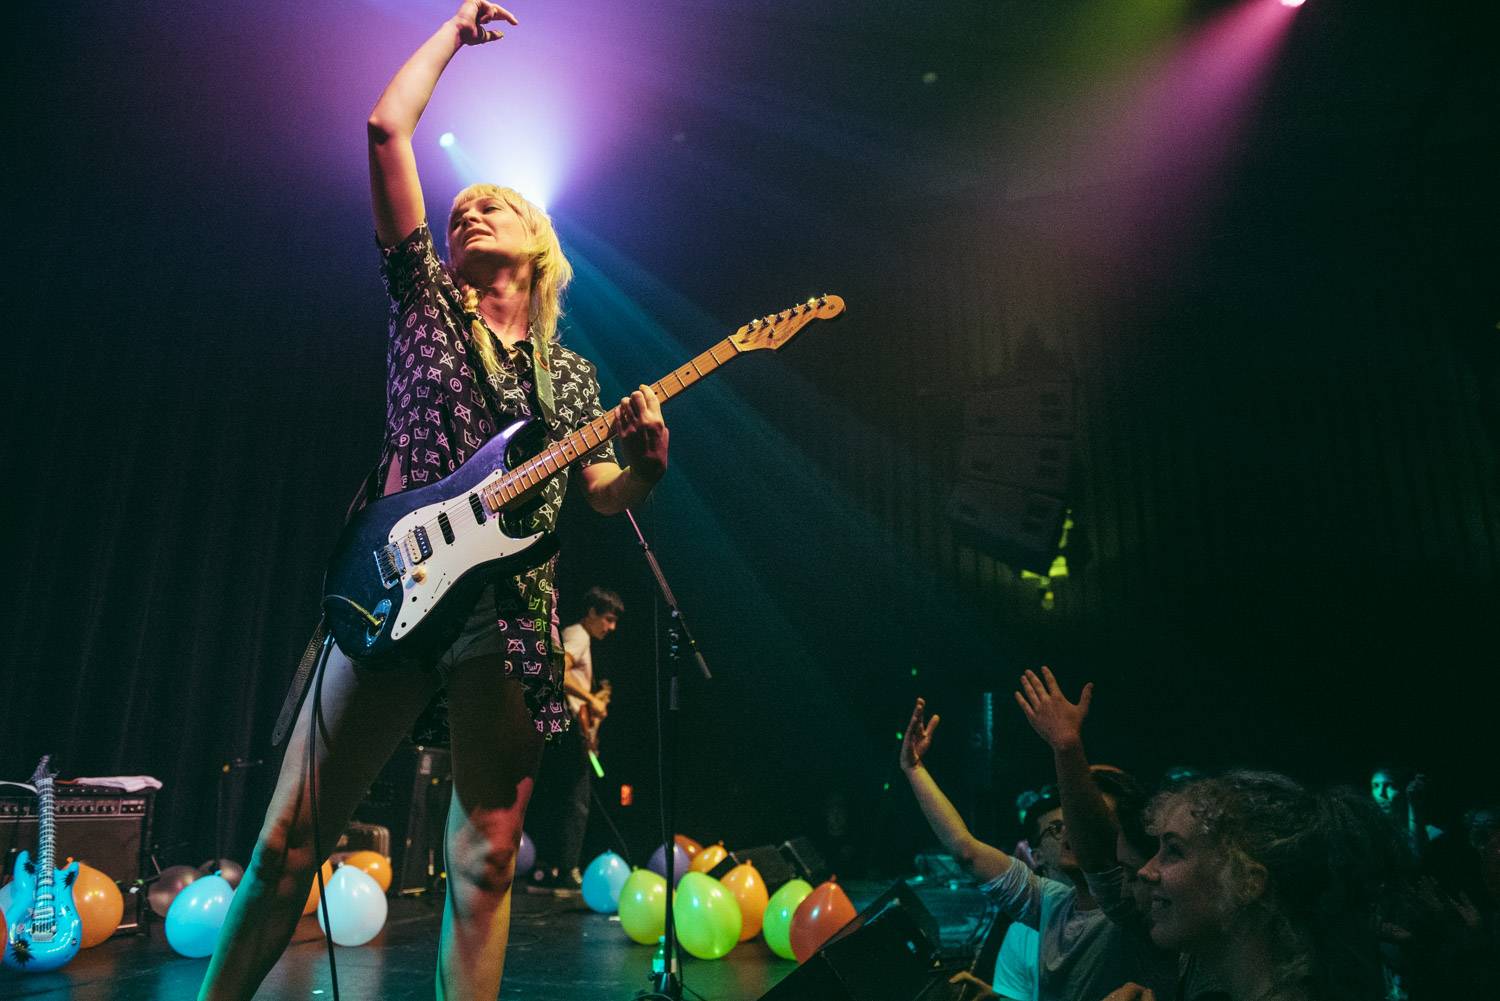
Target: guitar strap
{"type": "Point", "coordinates": [298, 689]}
{"type": "Point", "coordinates": [541, 365]}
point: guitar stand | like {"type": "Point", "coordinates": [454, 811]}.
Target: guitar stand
{"type": "Point", "coordinates": [666, 983]}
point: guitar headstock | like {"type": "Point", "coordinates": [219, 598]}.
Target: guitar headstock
{"type": "Point", "coordinates": [775, 329]}
{"type": "Point", "coordinates": [42, 774]}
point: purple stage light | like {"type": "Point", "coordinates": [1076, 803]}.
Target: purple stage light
{"type": "Point", "coordinates": [446, 139]}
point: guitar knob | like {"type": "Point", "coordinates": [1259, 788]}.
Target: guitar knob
{"type": "Point", "coordinates": [419, 573]}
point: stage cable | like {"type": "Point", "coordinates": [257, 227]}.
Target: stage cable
{"type": "Point", "coordinates": [312, 792]}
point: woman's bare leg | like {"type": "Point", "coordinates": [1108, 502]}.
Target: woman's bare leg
{"type": "Point", "coordinates": [364, 716]}
{"type": "Point", "coordinates": [496, 751]}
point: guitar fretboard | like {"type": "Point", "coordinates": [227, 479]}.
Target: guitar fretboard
{"type": "Point", "coordinates": [42, 914]}
{"type": "Point", "coordinates": [557, 456]}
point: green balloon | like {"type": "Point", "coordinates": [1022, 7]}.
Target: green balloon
{"type": "Point", "coordinates": [643, 906]}
{"type": "Point", "coordinates": [777, 926]}
{"type": "Point", "coordinates": [707, 916]}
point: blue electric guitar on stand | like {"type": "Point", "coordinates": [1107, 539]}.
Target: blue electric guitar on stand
{"type": "Point", "coordinates": [43, 931]}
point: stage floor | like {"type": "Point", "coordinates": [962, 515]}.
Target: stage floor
{"type": "Point", "coordinates": [559, 949]}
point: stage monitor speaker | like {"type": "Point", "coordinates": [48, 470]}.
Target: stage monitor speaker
{"type": "Point", "coordinates": [410, 799]}
{"type": "Point", "coordinates": [1040, 465]}
{"type": "Point", "coordinates": [107, 828]}
{"type": "Point", "coordinates": [806, 861]}
{"type": "Point", "coordinates": [1017, 526]}
{"type": "Point", "coordinates": [1013, 471]}
{"type": "Point", "coordinates": [774, 869]}
{"type": "Point", "coordinates": [889, 952]}
{"type": "Point", "coordinates": [1039, 407]}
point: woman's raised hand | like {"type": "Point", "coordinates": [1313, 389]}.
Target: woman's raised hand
{"type": "Point", "coordinates": [474, 15]}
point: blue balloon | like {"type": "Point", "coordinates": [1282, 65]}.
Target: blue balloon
{"type": "Point", "coordinates": [525, 855]}
{"type": "Point", "coordinates": [602, 882]}
{"type": "Point", "coordinates": [680, 862]}
{"type": "Point", "coordinates": [196, 914]}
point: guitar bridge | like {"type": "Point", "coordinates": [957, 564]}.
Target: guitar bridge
{"type": "Point", "coordinates": [390, 565]}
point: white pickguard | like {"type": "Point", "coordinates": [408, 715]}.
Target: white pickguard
{"type": "Point", "coordinates": [473, 545]}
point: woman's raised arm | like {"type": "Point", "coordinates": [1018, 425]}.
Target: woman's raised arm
{"type": "Point", "coordinates": [395, 190]}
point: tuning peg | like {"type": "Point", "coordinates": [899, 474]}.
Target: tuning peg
{"type": "Point", "coordinates": [753, 325]}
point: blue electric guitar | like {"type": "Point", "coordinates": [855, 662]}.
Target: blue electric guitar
{"type": "Point", "coordinates": [399, 561]}
{"type": "Point", "coordinates": [43, 930]}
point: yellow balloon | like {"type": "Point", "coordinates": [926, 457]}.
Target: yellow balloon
{"type": "Point", "coordinates": [99, 903]}
{"type": "Point", "coordinates": [312, 895]}
{"type": "Point", "coordinates": [643, 906]}
{"type": "Point", "coordinates": [375, 864]}
{"type": "Point", "coordinates": [708, 858]}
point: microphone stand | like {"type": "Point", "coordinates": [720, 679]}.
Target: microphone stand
{"type": "Point", "coordinates": [667, 983]}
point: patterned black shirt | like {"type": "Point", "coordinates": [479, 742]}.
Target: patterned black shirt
{"type": "Point", "coordinates": [439, 412]}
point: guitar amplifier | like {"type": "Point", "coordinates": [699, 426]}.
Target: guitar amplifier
{"type": "Point", "coordinates": [105, 828]}
{"type": "Point", "coordinates": [410, 800]}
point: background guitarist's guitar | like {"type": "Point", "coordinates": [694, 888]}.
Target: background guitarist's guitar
{"type": "Point", "coordinates": [589, 723]}
{"type": "Point", "coordinates": [405, 562]}
{"type": "Point", "coordinates": [43, 930]}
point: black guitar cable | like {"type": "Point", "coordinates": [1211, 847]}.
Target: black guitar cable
{"type": "Point", "coordinates": [312, 792]}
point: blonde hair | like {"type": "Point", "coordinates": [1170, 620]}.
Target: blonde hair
{"type": "Point", "coordinates": [550, 271]}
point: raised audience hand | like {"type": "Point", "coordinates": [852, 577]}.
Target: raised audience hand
{"type": "Point", "coordinates": [918, 736]}
{"type": "Point", "coordinates": [1055, 719]}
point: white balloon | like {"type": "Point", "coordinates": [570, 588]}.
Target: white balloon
{"type": "Point", "coordinates": [356, 907]}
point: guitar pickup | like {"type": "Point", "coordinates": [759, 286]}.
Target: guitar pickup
{"type": "Point", "coordinates": [418, 545]}
{"type": "Point", "coordinates": [390, 565]}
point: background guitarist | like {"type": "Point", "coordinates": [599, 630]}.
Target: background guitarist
{"type": "Point", "coordinates": [470, 350]}
{"type": "Point", "coordinates": [562, 808]}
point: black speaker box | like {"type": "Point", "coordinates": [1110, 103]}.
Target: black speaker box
{"type": "Point", "coordinates": [1013, 470]}
{"type": "Point", "coordinates": [889, 952]}
{"type": "Point", "coordinates": [773, 868]}
{"type": "Point", "coordinates": [106, 828]}
{"type": "Point", "coordinates": [410, 799]}
{"type": "Point", "coordinates": [806, 860]}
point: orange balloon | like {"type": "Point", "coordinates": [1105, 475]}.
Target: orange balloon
{"type": "Point", "coordinates": [749, 891]}
{"type": "Point", "coordinates": [687, 844]}
{"type": "Point", "coordinates": [818, 917]}
{"type": "Point", "coordinates": [708, 858]}
{"type": "Point", "coordinates": [375, 864]}
{"type": "Point", "coordinates": [99, 903]}
{"type": "Point", "coordinates": [312, 895]}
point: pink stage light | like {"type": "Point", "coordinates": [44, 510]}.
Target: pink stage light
{"type": "Point", "coordinates": [1292, 3]}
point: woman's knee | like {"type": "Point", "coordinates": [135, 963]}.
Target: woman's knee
{"type": "Point", "coordinates": [484, 862]}
{"type": "Point", "coordinates": [283, 850]}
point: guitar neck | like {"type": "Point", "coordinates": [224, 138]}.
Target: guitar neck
{"type": "Point", "coordinates": [560, 454]}
{"type": "Point", "coordinates": [44, 847]}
